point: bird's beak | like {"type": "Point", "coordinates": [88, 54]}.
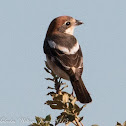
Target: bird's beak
{"type": "Point", "coordinates": [78, 22]}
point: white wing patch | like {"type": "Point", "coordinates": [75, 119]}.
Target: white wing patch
{"type": "Point", "coordinates": [73, 50]}
{"type": "Point", "coordinates": [63, 49]}
{"type": "Point", "coordinates": [52, 44]}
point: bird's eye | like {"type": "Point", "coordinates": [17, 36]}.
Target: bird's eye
{"type": "Point", "coordinates": [67, 23]}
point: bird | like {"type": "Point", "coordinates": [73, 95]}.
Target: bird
{"type": "Point", "coordinates": [64, 56]}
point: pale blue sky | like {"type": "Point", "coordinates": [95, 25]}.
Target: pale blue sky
{"type": "Point", "coordinates": [23, 25]}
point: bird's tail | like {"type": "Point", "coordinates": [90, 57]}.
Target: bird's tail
{"type": "Point", "coordinates": [80, 90]}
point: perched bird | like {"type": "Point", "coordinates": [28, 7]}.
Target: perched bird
{"type": "Point", "coordinates": [64, 55]}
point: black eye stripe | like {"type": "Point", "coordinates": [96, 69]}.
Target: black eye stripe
{"type": "Point", "coordinates": [67, 23]}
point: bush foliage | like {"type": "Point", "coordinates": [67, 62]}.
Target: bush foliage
{"type": "Point", "coordinates": [64, 101]}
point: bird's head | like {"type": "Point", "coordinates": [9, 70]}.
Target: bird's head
{"type": "Point", "coordinates": [63, 24]}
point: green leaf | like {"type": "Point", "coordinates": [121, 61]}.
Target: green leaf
{"type": "Point", "coordinates": [50, 87]}
{"type": "Point", "coordinates": [47, 70]}
{"type": "Point", "coordinates": [68, 116]}
{"type": "Point", "coordinates": [46, 124]}
{"type": "Point", "coordinates": [56, 107]}
{"type": "Point", "coordinates": [34, 124]}
{"type": "Point", "coordinates": [55, 104]}
{"type": "Point", "coordinates": [49, 79]}
{"type": "Point", "coordinates": [39, 119]}
{"type": "Point", "coordinates": [77, 109]}
{"type": "Point", "coordinates": [48, 118]}
{"type": "Point", "coordinates": [65, 118]}
{"type": "Point", "coordinates": [59, 120]}
{"type": "Point", "coordinates": [51, 93]}
{"type": "Point", "coordinates": [71, 117]}
{"type": "Point", "coordinates": [69, 108]}
{"type": "Point", "coordinates": [57, 97]}
{"type": "Point", "coordinates": [80, 119]}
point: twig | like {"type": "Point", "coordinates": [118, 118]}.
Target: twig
{"type": "Point", "coordinates": [74, 122]}
{"type": "Point", "coordinates": [77, 122]}
{"type": "Point", "coordinates": [81, 123]}
{"type": "Point", "coordinates": [67, 124]}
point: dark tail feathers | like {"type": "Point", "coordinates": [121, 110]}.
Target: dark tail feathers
{"type": "Point", "coordinates": [80, 90]}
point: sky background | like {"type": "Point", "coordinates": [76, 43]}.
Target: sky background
{"type": "Point", "coordinates": [23, 89]}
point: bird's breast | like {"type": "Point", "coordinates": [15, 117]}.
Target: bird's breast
{"type": "Point", "coordinates": [59, 72]}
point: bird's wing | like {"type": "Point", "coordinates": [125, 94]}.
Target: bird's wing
{"type": "Point", "coordinates": [65, 58]}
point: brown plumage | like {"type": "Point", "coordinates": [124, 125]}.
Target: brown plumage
{"type": "Point", "coordinates": [64, 55]}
